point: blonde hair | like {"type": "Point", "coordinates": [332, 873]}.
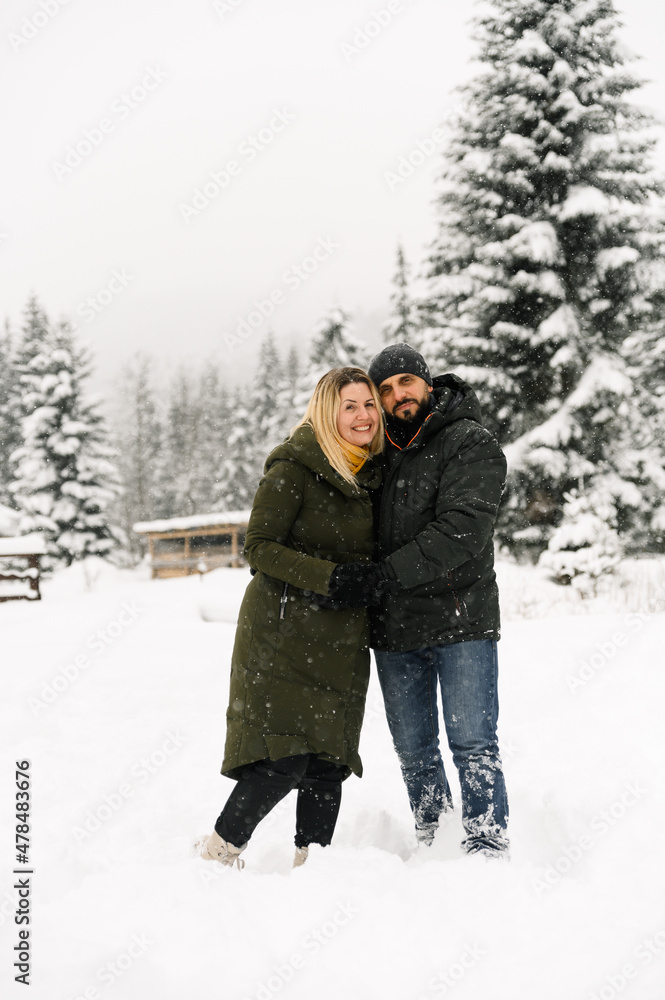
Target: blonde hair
{"type": "Point", "coordinates": [322, 412]}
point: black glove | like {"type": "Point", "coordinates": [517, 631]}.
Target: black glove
{"type": "Point", "coordinates": [359, 585]}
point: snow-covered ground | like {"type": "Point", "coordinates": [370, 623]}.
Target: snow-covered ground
{"type": "Point", "coordinates": [117, 697]}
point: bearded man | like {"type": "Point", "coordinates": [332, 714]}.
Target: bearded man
{"type": "Point", "coordinates": [436, 628]}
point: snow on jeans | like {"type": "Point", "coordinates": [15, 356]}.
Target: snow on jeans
{"type": "Point", "coordinates": [467, 674]}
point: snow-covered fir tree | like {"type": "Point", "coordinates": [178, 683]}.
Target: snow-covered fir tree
{"type": "Point", "coordinates": [266, 397]}
{"type": "Point", "coordinates": [240, 469]}
{"type": "Point", "coordinates": [333, 345]}
{"type": "Point", "coordinates": [256, 426]}
{"type": "Point", "coordinates": [28, 360]}
{"type": "Point", "coordinates": [288, 411]}
{"type": "Point", "coordinates": [65, 477]}
{"type": "Point", "coordinates": [586, 545]}
{"type": "Point", "coordinates": [262, 416]}
{"type": "Point", "coordinates": [137, 433]}
{"type": "Point", "coordinates": [548, 265]}
{"type": "Point", "coordinates": [9, 414]}
{"type": "Point", "coordinates": [215, 427]}
{"type": "Point", "coordinates": [403, 325]}
{"type": "Point", "coordinates": [36, 333]}
{"type": "Point", "coordinates": [179, 467]}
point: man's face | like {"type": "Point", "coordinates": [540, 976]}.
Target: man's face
{"type": "Point", "coordinates": [404, 397]}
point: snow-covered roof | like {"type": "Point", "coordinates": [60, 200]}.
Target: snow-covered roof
{"type": "Point", "coordinates": [9, 520]}
{"type": "Point", "coordinates": [23, 545]}
{"type": "Point", "coordinates": [195, 521]}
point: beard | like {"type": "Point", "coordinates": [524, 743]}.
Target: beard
{"type": "Point", "coordinates": [411, 419]}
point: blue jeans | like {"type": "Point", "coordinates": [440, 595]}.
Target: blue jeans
{"type": "Point", "coordinates": [467, 675]}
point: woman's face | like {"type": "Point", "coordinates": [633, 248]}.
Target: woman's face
{"type": "Point", "coordinates": [358, 420]}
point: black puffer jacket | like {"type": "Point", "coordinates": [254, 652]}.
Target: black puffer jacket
{"type": "Point", "coordinates": [436, 523]}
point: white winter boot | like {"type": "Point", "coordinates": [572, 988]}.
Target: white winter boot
{"type": "Point", "coordinates": [213, 848]}
{"type": "Point", "coordinates": [301, 856]}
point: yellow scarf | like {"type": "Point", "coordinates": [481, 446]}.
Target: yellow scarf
{"type": "Point", "coordinates": [355, 456]}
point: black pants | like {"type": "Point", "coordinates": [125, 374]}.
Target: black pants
{"type": "Point", "coordinates": [266, 782]}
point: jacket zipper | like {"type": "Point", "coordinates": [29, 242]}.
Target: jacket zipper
{"type": "Point", "coordinates": [460, 606]}
{"type": "Point", "coordinates": [384, 549]}
{"type": "Point", "coordinates": [393, 473]}
{"type": "Point", "coordinates": [282, 602]}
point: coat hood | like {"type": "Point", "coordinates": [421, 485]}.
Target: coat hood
{"type": "Point", "coordinates": [455, 399]}
{"type": "Point", "coordinates": [302, 446]}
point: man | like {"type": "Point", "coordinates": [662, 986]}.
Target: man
{"type": "Point", "coordinates": [438, 625]}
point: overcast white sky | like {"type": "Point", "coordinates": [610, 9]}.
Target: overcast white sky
{"type": "Point", "coordinates": [169, 91]}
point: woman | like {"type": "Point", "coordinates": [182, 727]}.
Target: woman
{"type": "Point", "coordinates": [300, 664]}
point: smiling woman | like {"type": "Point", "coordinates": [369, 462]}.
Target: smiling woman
{"type": "Point", "coordinates": [300, 664]}
{"type": "Point", "coordinates": [358, 416]}
{"type": "Point", "coordinates": [344, 403]}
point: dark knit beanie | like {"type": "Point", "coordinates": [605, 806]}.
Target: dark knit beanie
{"type": "Point", "coordinates": [396, 359]}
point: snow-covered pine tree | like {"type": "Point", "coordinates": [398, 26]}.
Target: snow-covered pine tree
{"type": "Point", "coordinates": [240, 469]}
{"type": "Point", "coordinates": [548, 260]}
{"type": "Point", "coordinates": [288, 411]}
{"type": "Point", "coordinates": [403, 325]}
{"type": "Point", "coordinates": [10, 437]}
{"type": "Point", "coordinates": [29, 357]}
{"type": "Point", "coordinates": [586, 544]}
{"type": "Point", "coordinates": [333, 345]}
{"type": "Point", "coordinates": [266, 399]}
{"type": "Point", "coordinates": [65, 477]}
{"type": "Point", "coordinates": [35, 334]}
{"type": "Point", "coordinates": [178, 460]}
{"type": "Point", "coordinates": [262, 416]}
{"type": "Point", "coordinates": [137, 433]}
{"type": "Point", "coordinates": [215, 427]}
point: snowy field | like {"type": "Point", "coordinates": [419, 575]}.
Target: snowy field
{"type": "Point", "coordinates": [117, 696]}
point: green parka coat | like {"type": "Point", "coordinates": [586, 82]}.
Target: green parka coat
{"type": "Point", "coordinates": [299, 672]}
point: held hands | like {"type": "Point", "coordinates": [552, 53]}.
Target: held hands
{"type": "Point", "coordinates": [359, 585]}
{"type": "Point", "coordinates": [354, 585]}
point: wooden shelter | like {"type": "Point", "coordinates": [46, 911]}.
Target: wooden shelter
{"type": "Point", "coordinates": [23, 584]}
{"type": "Point", "coordinates": [180, 546]}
